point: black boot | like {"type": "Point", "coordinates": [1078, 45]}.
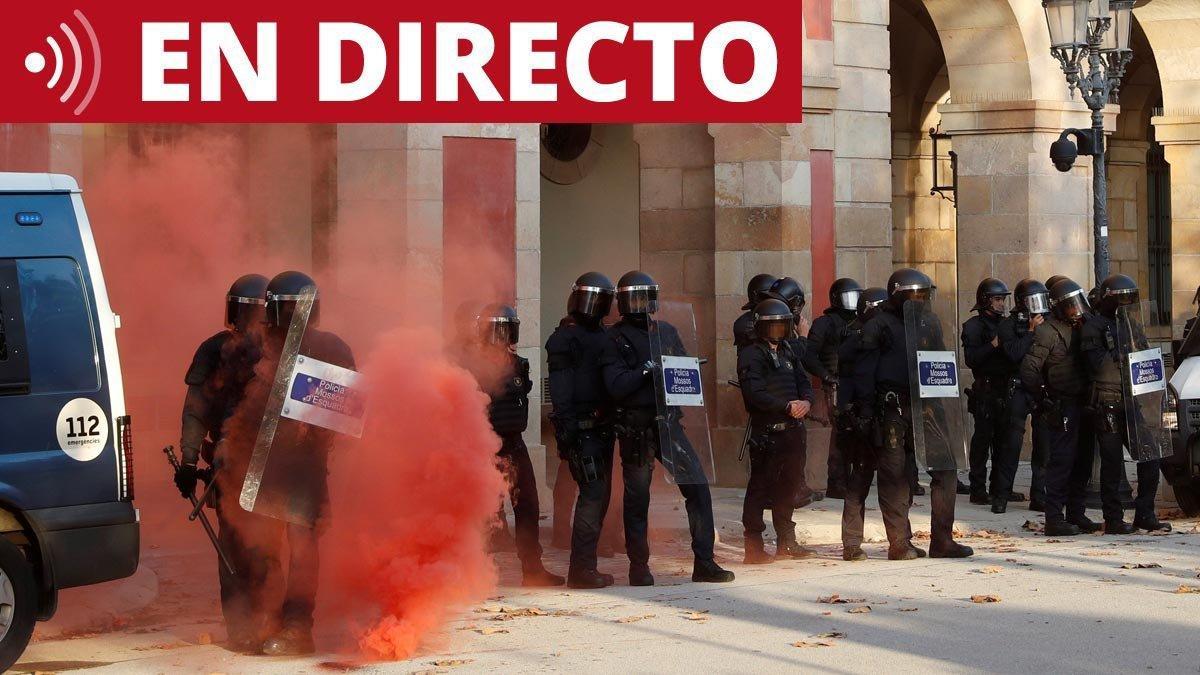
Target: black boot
{"type": "Point", "coordinates": [951, 550]}
{"type": "Point", "coordinates": [980, 498]}
{"type": "Point", "coordinates": [1016, 497]}
{"type": "Point", "coordinates": [289, 642]}
{"type": "Point", "coordinates": [962, 488]}
{"type": "Point", "coordinates": [1086, 525]}
{"type": "Point", "coordinates": [1118, 527]}
{"type": "Point", "coordinates": [905, 552]}
{"type": "Point", "coordinates": [537, 576]}
{"type": "Point", "coordinates": [639, 575]}
{"type": "Point", "coordinates": [1036, 504]}
{"type": "Point", "coordinates": [853, 554]}
{"type": "Point", "coordinates": [1061, 528]}
{"type": "Point", "coordinates": [787, 547]}
{"type": "Point", "coordinates": [708, 571]}
{"type": "Point", "coordinates": [1151, 523]}
{"type": "Point", "coordinates": [999, 505]}
{"type": "Point", "coordinates": [756, 553]}
{"type": "Point", "coordinates": [588, 579]}
{"type": "Point", "coordinates": [918, 490]}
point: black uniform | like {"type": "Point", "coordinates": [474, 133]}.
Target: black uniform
{"type": "Point", "coordinates": [509, 415]}
{"type": "Point", "coordinates": [743, 330]}
{"type": "Point", "coordinates": [631, 386]}
{"type": "Point", "coordinates": [582, 427]}
{"type": "Point", "coordinates": [1104, 360]}
{"type": "Point", "coordinates": [1055, 374]}
{"type": "Point", "coordinates": [1016, 339]}
{"type": "Point", "coordinates": [770, 379]}
{"type": "Point", "coordinates": [821, 360]}
{"type": "Point", "coordinates": [216, 379]}
{"type": "Point", "coordinates": [882, 385]}
{"type": "Point", "coordinates": [994, 379]}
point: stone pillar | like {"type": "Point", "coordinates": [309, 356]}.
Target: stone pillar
{"type": "Point", "coordinates": [1018, 216]}
{"type": "Point", "coordinates": [1180, 136]}
{"type": "Point", "coordinates": [1128, 237]}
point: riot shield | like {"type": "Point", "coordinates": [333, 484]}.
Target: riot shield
{"type": "Point", "coordinates": [685, 447]}
{"type": "Point", "coordinates": [308, 399]}
{"type": "Point", "coordinates": [939, 437]}
{"type": "Point", "coordinates": [1144, 382]}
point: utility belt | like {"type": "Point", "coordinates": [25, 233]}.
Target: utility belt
{"type": "Point", "coordinates": [988, 396]}
{"type": "Point", "coordinates": [776, 428]}
{"type": "Point", "coordinates": [638, 430]}
{"type": "Point", "coordinates": [763, 437]}
{"type": "Point", "coordinates": [1108, 410]}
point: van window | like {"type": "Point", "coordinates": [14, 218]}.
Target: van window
{"type": "Point", "coordinates": [58, 326]}
{"type": "Point", "coordinates": [14, 364]}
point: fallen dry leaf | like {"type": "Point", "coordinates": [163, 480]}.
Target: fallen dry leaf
{"type": "Point", "coordinates": [836, 599]}
{"type": "Point", "coordinates": [451, 663]}
{"type": "Point", "coordinates": [804, 644]}
{"type": "Point", "coordinates": [833, 635]}
{"type": "Point", "coordinates": [1098, 553]}
{"type": "Point", "coordinates": [634, 619]}
{"type": "Point", "coordinates": [1109, 581]}
{"type": "Point", "coordinates": [861, 609]}
{"type": "Point", "coordinates": [1184, 588]}
{"type": "Point", "coordinates": [984, 599]}
{"type": "Point", "coordinates": [701, 615]}
{"type": "Point", "coordinates": [1033, 526]}
{"type": "Point", "coordinates": [922, 534]}
{"type": "Point", "coordinates": [991, 569]}
{"type": "Point", "coordinates": [1006, 549]}
{"type": "Point", "coordinates": [909, 609]}
{"type": "Point", "coordinates": [490, 630]}
{"type": "Point", "coordinates": [1140, 566]}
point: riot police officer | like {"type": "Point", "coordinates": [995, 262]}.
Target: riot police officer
{"type": "Point", "coordinates": [629, 366]}
{"type": "Point", "coordinates": [216, 381]}
{"type": "Point", "coordinates": [860, 456]}
{"type": "Point", "coordinates": [821, 360]}
{"type": "Point", "coordinates": [989, 393]}
{"type": "Point", "coordinates": [791, 292]}
{"type": "Point", "coordinates": [882, 387]}
{"type": "Point", "coordinates": [1054, 373]}
{"type": "Point", "coordinates": [756, 291]}
{"type": "Point", "coordinates": [1105, 360]}
{"type": "Point", "coordinates": [581, 417]}
{"type": "Point", "coordinates": [504, 376]}
{"type": "Point", "coordinates": [778, 396]}
{"type": "Point", "coordinates": [1016, 337]}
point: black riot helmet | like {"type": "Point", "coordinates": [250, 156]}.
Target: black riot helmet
{"type": "Point", "coordinates": [282, 293]}
{"type": "Point", "coordinates": [591, 296]}
{"type": "Point", "coordinates": [637, 294]}
{"type": "Point", "coordinates": [245, 301]}
{"type": "Point", "coordinates": [908, 284]}
{"type": "Point", "coordinates": [986, 290]}
{"type": "Point", "coordinates": [499, 325]}
{"type": "Point", "coordinates": [758, 288]}
{"type": "Point", "coordinates": [1055, 279]}
{"type": "Point", "coordinates": [844, 294]}
{"type": "Point", "coordinates": [773, 320]}
{"type": "Point", "coordinates": [790, 291]}
{"type": "Point", "coordinates": [1033, 297]}
{"type": "Point", "coordinates": [1115, 291]}
{"type": "Point", "coordinates": [870, 301]}
{"type": "Point", "coordinates": [1067, 301]}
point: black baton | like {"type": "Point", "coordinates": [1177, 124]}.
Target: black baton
{"type": "Point", "coordinates": [201, 515]}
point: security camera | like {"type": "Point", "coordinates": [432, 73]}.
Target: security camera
{"type": "Point", "coordinates": [1063, 153]}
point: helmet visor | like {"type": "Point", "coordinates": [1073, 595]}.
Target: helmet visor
{"type": "Point", "coordinates": [849, 299]}
{"type": "Point", "coordinates": [1038, 303]}
{"type": "Point", "coordinates": [502, 331]}
{"type": "Point", "coordinates": [638, 299]}
{"type": "Point", "coordinates": [1071, 307]}
{"type": "Point", "coordinates": [774, 328]}
{"type": "Point", "coordinates": [1125, 297]}
{"type": "Point", "coordinates": [241, 312]}
{"type": "Point", "coordinates": [592, 301]}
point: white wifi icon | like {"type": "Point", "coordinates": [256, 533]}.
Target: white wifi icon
{"type": "Point", "coordinates": [35, 62]}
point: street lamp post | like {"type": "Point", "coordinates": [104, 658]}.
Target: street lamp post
{"type": "Point", "coordinates": [1098, 31]}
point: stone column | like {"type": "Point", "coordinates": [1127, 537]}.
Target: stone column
{"type": "Point", "coordinates": [1128, 239]}
{"type": "Point", "coordinates": [1180, 136]}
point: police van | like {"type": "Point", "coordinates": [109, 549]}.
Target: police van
{"type": "Point", "coordinates": [66, 474]}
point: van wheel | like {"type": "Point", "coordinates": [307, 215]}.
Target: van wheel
{"type": "Point", "coordinates": [18, 603]}
{"type": "Point", "coordinates": [1188, 498]}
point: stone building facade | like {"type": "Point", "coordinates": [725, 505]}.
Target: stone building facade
{"type": "Point", "coordinates": [847, 191]}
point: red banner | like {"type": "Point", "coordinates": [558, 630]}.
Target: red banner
{"type": "Point", "coordinates": [273, 61]}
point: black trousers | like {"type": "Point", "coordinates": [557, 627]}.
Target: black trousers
{"type": "Point", "coordinates": [776, 472]}
{"type": "Point", "coordinates": [696, 497]}
{"type": "Point", "coordinates": [943, 484]}
{"type": "Point", "coordinates": [1112, 468]}
{"type": "Point", "coordinates": [1148, 474]}
{"type": "Point", "coordinates": [894, 493]}
{"type": "Point", "coordinates": [990, 439]}
{"type": "Point", "coordinates": [248, 540]}
{"type": "Point", "coordinates": [300, 594]}
{"type": "Point", "coordinates": [592, 502]}
{"type": "Point", "coordinates": [836, 464]}
{"type": "Point", "coordinates": [1068, 464]}
{"type": "Point", "coordinates": [1004, 472]}
{"type": "Point", "coordinates": [522, 490]}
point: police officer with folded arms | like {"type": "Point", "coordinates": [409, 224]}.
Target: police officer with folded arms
{"type": "Point", "coordinates": [882, 387]}
{"type": "Point", "coordinates": [1105, 360]}
{"type": "Point", "coordinates": [1030, 308]}
{"type": "Point", "coordinates": [629, 366]}
{"type": "Point", "coordinates": [1054, 373]}
{"type": "Point", "coordinates": [778, 396]}
{"type": "Point", "coordinates": [821, 360]}
{"type": "Point", "coordinates": [580, 411]}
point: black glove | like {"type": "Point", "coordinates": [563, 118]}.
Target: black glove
{"type": "Point", "coordinates": [185, 479]}
{"type": "Point", "coordinates": [568, 442]}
